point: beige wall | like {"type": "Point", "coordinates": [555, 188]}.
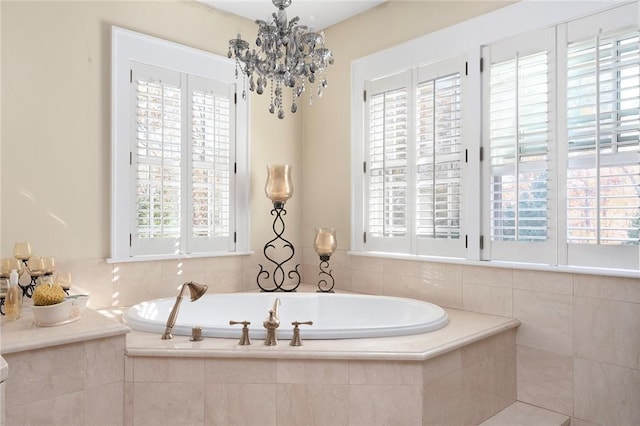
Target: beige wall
{"type": "Point", "coordinates": [56, 121]}
{"type": "Point", "coordinates": [55, 152]}
{"type": "Point", "coordinates": [55, 146]}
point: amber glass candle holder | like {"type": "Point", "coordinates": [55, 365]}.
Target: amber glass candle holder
{"type": "Point", "coordinates": [279, 187]}
{"type": "Point", "coordinates": [22, 251]}
{"type": "Point", "coordinates": [325, 245]}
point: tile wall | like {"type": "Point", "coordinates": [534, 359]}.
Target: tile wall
{"type": "Point", "coordinates": [124, 284]}
{"type": "Point", "coordinates": [465, 386]}
{"type": "Point", "coordinates": [73, 384]}
{"type": "Point", "coordinates": [578, 348]}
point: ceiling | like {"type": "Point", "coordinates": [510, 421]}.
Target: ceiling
{"type": "Point", "coordinates": [316, 14]}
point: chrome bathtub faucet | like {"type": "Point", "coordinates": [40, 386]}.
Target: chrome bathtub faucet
{"type": "Point", "coordinates": [271, 323]}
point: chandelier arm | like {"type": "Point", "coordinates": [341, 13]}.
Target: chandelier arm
{"type": "Point", "coordinates": [262, 67]}
{"type": "Point", "coordinates": [286, 54]}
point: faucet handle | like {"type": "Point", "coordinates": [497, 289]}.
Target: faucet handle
{"type": "Point", "coordinates": [295, 340]}
{"type": "Point", "coordinates": [244, 339]}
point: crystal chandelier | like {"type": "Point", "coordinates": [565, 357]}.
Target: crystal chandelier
{"type": "Point", "coordinates": [287, 55]}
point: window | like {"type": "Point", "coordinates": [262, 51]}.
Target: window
{"type": "Point", "coordinates": [177, 128]}
{"type": "Point", "coordinates": [602, 137]}
{"type": "Point", "coordinates": [413, 155]}
{"type": "Point", "coordinates": [520, 135]}
{"type": "Point", "coordinates": [595, 161]}
{"type": "Point", "coordinates": [172, 208]}
{"type": "Point", "coordinates": [602, 124]}
{"type": "Point", "coordinates": [536, 153]}
{"type": "Point", "coordinates": [387, 167]}
{"type": "Point", "coordinates": [438, 157]}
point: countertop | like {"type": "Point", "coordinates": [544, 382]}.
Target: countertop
{"type": "Point", "coordinates": [23, 334]}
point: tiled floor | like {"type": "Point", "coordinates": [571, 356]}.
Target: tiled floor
{"type": "Point", "coordinates": [521, 414]}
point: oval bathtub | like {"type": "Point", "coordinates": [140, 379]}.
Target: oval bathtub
{"type": "Point", "coordinates": [334, 316]}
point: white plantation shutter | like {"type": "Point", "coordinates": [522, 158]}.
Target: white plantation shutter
{"type": "Point", "coordinates": [438, 158]}
{"type": "Point", "coordinates": [413, 176]}
{"type": "Point", "coordinates": [519, 134]}
{"type": "Point", "coordinates": [602, 130]}
{"type": "Point", "coordinates": [212, 159]}
{"type": "Point", "coordinates": [558, 110]}
{"type": "Point", "coordinates": [183, 157]}
{"type": "Point", "coordinates": [156, 158]}
{"type": "Point", "coordinates": [519, 123]}
{"type": "Point", "coordinates": [602, 124]}
{"type": "Point", "coordinates": [387, 164]}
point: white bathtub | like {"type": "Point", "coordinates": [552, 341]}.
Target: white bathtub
{"type": "Point", "coordinates": [334, 316]}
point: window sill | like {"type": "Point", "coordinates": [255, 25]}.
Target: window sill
{"type": "Point", "coordinates": [624, 273]}
{"type": "Point", "coordinates": [153, 258]}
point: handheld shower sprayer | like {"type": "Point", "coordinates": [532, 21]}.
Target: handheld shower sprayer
{"type": "Point", "coordinates": [196, 291]}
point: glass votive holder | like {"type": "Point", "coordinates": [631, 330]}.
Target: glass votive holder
{"type": "Point", "coordinates": [22, 250]}
{"type": "Point", "coordinates": [5, 268]}
{"type": "Point", "coordinates": [64, 279]}
{"type": "Point", "coordinates": [49, 265]}
{"type": "Point", "coordinates": [36, 266]}
{"type": "Point", "coordinates": [325, 242]}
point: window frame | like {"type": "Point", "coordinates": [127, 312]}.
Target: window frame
{"type": "Point", "coordinates": [128, 46]}
{"type": "Point", "coordinates": [501, 24]}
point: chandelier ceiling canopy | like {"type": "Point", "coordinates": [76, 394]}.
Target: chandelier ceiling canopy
{"type": "Point", "coordinates": [286, 55]}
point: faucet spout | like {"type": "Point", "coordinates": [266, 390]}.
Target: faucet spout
{"type": "Point", "coordinates": [271, 323]}
{"type": "Point", "coordinates": [274, 308]}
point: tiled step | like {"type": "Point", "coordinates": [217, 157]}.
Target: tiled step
{"type": "Point", "coordinates": [521, 414]}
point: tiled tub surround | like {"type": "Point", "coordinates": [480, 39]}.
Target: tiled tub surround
{"type": "Point", "coordinates": [461, 374]}
{"type": "Point", "coordinates": [65, 375]}
{"type": "Point", "coordinates": [78, 374]}
{"type": "Point", "coordinates": [576, 328]}
{"type": "Point", "coordinates": [578, 348]}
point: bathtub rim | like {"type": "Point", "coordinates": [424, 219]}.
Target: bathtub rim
{"type": "Point", "coordinates": [439, 320]}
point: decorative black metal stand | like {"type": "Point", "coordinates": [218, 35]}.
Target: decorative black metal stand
{"type": "Point", "coordinates": [325, 286]}
{"type": "Point", "coordinates": [27, 290]}
{"type": "Point", "coordinates": [279, 275]}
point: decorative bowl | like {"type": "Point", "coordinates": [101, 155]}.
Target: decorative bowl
{"type": "Point", "coordinates": [61, 313]}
